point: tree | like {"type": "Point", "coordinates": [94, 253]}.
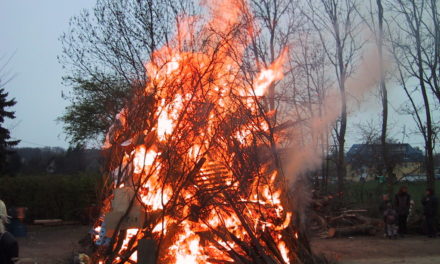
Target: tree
{"type": "Point", "coordinates": [375, 20]}
{"type": "Point", "coordinates": [379, 32]}
{"type": "Point", "coordinates": [415, 49]}
{"type": "Point", "coordinates": [277, 22]}
{"type": "Point", "coordinates": [99, 101]}
{"type": "Point", "coordinates": [104, 52]}
{"type": "Point", "coordinates": [311, 85]}
{"type": "Point", "coordinates": [337, 20]}
{"type": "Point", "coordinates": [5, 139]}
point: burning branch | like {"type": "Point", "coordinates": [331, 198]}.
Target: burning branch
{"type": "Point", "coordinates": [194, 157]}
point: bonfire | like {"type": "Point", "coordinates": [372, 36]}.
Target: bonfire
{"type": "Point", "coordinates": [194, 170]}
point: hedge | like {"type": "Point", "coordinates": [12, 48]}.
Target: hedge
{"type": "Point", "coordinates": [51, 196]}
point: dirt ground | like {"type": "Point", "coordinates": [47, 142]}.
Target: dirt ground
{"type": "Point", "coordinates": [413, 249]}
{"type": "Point", "coordinates": [51, 244]}
{"type": "Point", "coordinates": [57, 244]}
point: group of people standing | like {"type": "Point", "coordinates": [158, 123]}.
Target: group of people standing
{"type": "Point", "coordinates": [396, 213]}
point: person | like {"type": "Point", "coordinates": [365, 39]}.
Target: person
{"type": "Point", "coordinates": [8, 243]}
{"type": "Point", "coordinates": [382, 208]}
{"type": "Point", "coordinates": [390, 219]}
{"type": "Point", "coordinates": [383, 204]}
{"type": "Point", "coordinates": [430, 205]}
{"type": "Point", "coordinates": [402, 202]}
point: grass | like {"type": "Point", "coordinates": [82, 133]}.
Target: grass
{"type": "Point", "coordinates": [368, 195]}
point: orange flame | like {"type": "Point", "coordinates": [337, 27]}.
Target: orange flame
{"type": "Point", "coordinates": [201, 89]}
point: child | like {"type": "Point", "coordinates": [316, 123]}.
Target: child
{"type": "Point", "coordinates": [390, 218]}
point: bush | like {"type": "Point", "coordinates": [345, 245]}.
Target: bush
{"type": "Point", "coordinates": [50, 196]}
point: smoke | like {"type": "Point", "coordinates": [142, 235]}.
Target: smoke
{"type": "Point", "coordinates": [307, 156]}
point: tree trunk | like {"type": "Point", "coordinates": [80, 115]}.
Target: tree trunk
{"type": "Point", "coordinates": [341, 170]}
{"type": "Point", "coordinates": [429, 132]}
{"type": "Point", "coordinates": [384, 96]}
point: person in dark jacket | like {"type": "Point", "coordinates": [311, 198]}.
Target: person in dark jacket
{"type": "Point", "coordinates": [402, 202]}
{"type": "Point", "coordinates": [8, 243]}
{"type": "Point", "coordinates": [8, 248]}
{"type": "Point", "coordinates": [430, 207]}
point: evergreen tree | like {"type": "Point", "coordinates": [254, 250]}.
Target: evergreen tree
{"type": "Point", "coordinates": [5, 139]}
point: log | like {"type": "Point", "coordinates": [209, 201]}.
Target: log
{"type": "Point", "coordinates": [357, 218]}
{"type": "Point", "coordinates": [336, 218]}
{"type": "Point", "coordinates": [364, 229]}
{"type": "Point", "coordinates": [355, 211]}
{"type": "Point", "coordinates": [48, 221]}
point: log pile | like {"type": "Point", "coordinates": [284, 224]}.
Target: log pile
{"type": "Point", "coordinates": [328, 222]}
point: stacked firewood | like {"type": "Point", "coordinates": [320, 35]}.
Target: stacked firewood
{"type": "Point", "coordinates": [328, 221]}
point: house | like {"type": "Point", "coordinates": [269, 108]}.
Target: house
{"type": "Point", "coordinates": [365, 161]}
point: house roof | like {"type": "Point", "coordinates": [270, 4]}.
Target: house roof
{"type": "Point", "coordinates": [397, 151]}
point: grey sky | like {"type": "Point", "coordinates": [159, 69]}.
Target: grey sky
{"type": "Point", "coordinates": [30, 29]}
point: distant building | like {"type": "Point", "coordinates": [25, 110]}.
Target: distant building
{"type": "Point", "coordinates": [365, 161]}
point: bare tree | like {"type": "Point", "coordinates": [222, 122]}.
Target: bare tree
{"type": "Point", "coordinates": [300, 97]}
{"type": "Point", "coordinates": [277, 22]}
{"type": "Point", "coordinates": [415, 57]}
{"type": "Point", "coordinates": [309, 90]}
{"type": "Point", "coordinates": [5, 75]}
{"type": "Point", "coordinates": [375, 21]}
{"type": "Point", "coordinates": [339, 21]}
{"type": "Point", "coordinates": [431, 52]}
{"type": "Point", "coordinates": [104, 52]}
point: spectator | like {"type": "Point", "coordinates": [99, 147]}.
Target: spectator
{"type": "Point", "coordinates": [390, 218]}
{"type": "Point", "coordinates": [8, 244]}
{"type": "Point", "coordinates": [384, 203]}
{"type": "Point", "coordinates": [430, 205]}
{"type": "Point", "coordinates": [402, 202]}
{"type": "Point", "coordinates": [382, 207]}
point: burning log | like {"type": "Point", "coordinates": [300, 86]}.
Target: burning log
{"type": "Point", "coordinates": [194, 172]}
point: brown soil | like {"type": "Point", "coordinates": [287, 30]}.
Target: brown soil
{"type": "Point", "coordinates": [378, 250]}
{"type": "Point", "coordinates": [58, 244]}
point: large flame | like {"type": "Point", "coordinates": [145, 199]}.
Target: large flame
{"type": "Point", "coordinates": [205, 201]}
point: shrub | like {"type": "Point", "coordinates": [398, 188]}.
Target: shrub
{"type": "Point", "coordinates": [51, 196]}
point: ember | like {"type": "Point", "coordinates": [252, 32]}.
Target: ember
{"type": "Point", "coordinates": [193, 157]}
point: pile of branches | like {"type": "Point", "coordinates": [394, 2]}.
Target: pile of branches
{"type": "Point", "coordinates": [193, 171]}
{"type": "Point", "coordinates": [328, 221]}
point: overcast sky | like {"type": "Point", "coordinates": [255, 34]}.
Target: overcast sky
{"type": "Point", "coordinates": [29, 30]}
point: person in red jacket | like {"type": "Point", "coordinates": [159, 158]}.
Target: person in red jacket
{"type": "Point", "coordinates": [8, 243]}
